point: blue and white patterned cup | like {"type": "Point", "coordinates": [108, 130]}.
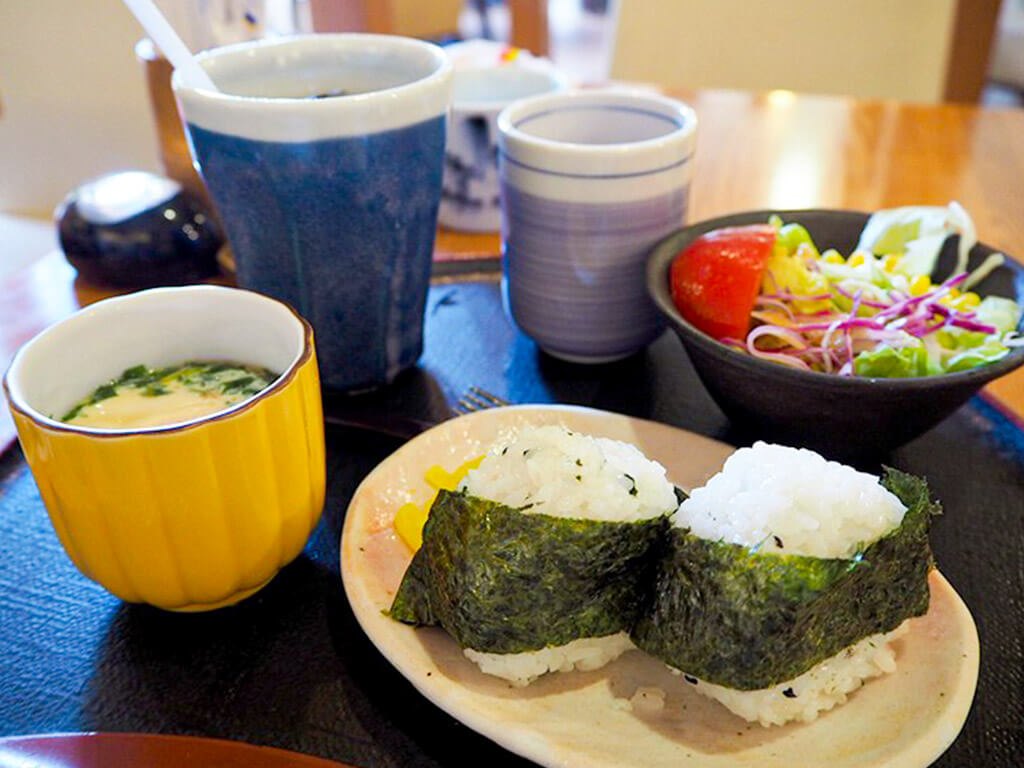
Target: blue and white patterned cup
{"type": "Point", "coordinates": [323, 155]}
{"type": "Point", "coordinates": [590, 181]}
{"type": "Point", "coordinates": [485, 81]}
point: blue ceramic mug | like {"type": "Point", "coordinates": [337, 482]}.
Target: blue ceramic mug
{"type": "Point", "coordinates": [323, 155]}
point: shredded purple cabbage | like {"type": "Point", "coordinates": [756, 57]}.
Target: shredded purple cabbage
{"type": "Point", "coordinates": [832, 339]}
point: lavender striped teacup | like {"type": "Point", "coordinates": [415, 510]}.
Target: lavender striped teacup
{"type": "Point", "coordinates": [590, 180]}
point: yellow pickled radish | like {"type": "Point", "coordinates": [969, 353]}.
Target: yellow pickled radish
{"type": "Point", "coordinates": [890, 262]}
{"type": "Point", "coordinates": [464, 469]}
{"type": "Point", "coordinates": [832, 256]}
{"type": "Point", "coordinates": [856, 259]}
{"type": "Point", "coordinates": [411, 517]}
{"type": "Point", "coordinates": [408, 523]}
{"type": "Point", "coordinates": [437, 478]}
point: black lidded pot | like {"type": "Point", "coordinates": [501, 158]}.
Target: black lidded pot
{"type": "Point", "coordinates": [134, 229]}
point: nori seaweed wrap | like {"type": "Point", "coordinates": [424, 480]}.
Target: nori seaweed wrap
{"type": "Point", "coordinates": [749, 619]}
{"type": "Point", "coordinates": [504, 580]}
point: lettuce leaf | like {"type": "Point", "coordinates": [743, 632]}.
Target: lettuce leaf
{"type": "Point", "coordinates": [988, 352]}
{"type": "Point", "coordinates": [793, 236]}
{"type": "Point", "coordinates": [895, 237]}
{"type": "Point", "coordinates": [959, 339]}
{"type": "Point", "coordinates": [916, 233]}
{"type": "Point", "coordinates": [1004, 314]}
{"type": "Point", "coordinates": [890, 363]}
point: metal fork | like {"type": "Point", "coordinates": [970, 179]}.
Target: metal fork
{"type": "Point", "coordinates": [377, 416]}
{"type": "Point", "coordinates": [477, 399]}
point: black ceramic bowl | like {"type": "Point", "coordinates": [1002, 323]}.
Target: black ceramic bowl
{"type": "Point", "coordinates": [839, 415]}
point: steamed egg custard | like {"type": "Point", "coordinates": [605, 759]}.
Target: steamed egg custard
{"type": "Point", "coordinates": [148, 397]}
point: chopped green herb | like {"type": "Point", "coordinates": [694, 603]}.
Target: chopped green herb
{"type": "Point", "coordinates": [163, 373]}
{"type": "Point", "coordinates": [237, 384]}
{"type": "Point", "coordinates": [135, 372]}
{"type": "Point", "coordinates": [229, 381]}
{"type": "Point", "coordinates": [103, 392]}
{"type": "Point", "coordinates": [73, 412]}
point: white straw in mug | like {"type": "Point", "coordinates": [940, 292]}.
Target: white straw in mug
{"type": "Point", "coordinates": [167, 40]}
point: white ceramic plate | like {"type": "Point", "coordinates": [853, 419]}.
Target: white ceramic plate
{"type": "Point", "coordinates": [580, 719]}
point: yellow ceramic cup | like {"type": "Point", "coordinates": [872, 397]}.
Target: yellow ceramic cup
{"type": "Point", "coordinates": [190, 516]}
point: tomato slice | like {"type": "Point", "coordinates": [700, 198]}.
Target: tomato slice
{"type": "Point", "coordinates": [716, 278]}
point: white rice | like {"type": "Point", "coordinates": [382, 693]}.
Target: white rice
{"type": "Point", "coordinates": [646, 701]}
{"type": "Point", "coordinates": [553, 471]}
{"type": "Point", "coordinates": [521, 669]}
{"type": "Point", "coordinates": [818, 689]}
{"type": "Point", "coordinates": [791, 501]}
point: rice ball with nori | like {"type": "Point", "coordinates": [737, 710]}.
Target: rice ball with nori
{"type": "Point", "coordinates": [785, 579]}
{"type": "Point", "coordinates": [539, 562]}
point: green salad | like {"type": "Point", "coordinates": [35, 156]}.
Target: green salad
{"type": "Point", "coordinates": [877, 312]}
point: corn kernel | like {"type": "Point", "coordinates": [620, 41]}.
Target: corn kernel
{"type": "Point", "coordinates": [890, 262]}
{"type": "Point", "coordinates": [832, 256]}
{"type": "Point", "coordinates": [965, 302]}
{"type": "Point", "coordinates": [920, 285]}
{"type": "Point", "coordinates": [856, 259]}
